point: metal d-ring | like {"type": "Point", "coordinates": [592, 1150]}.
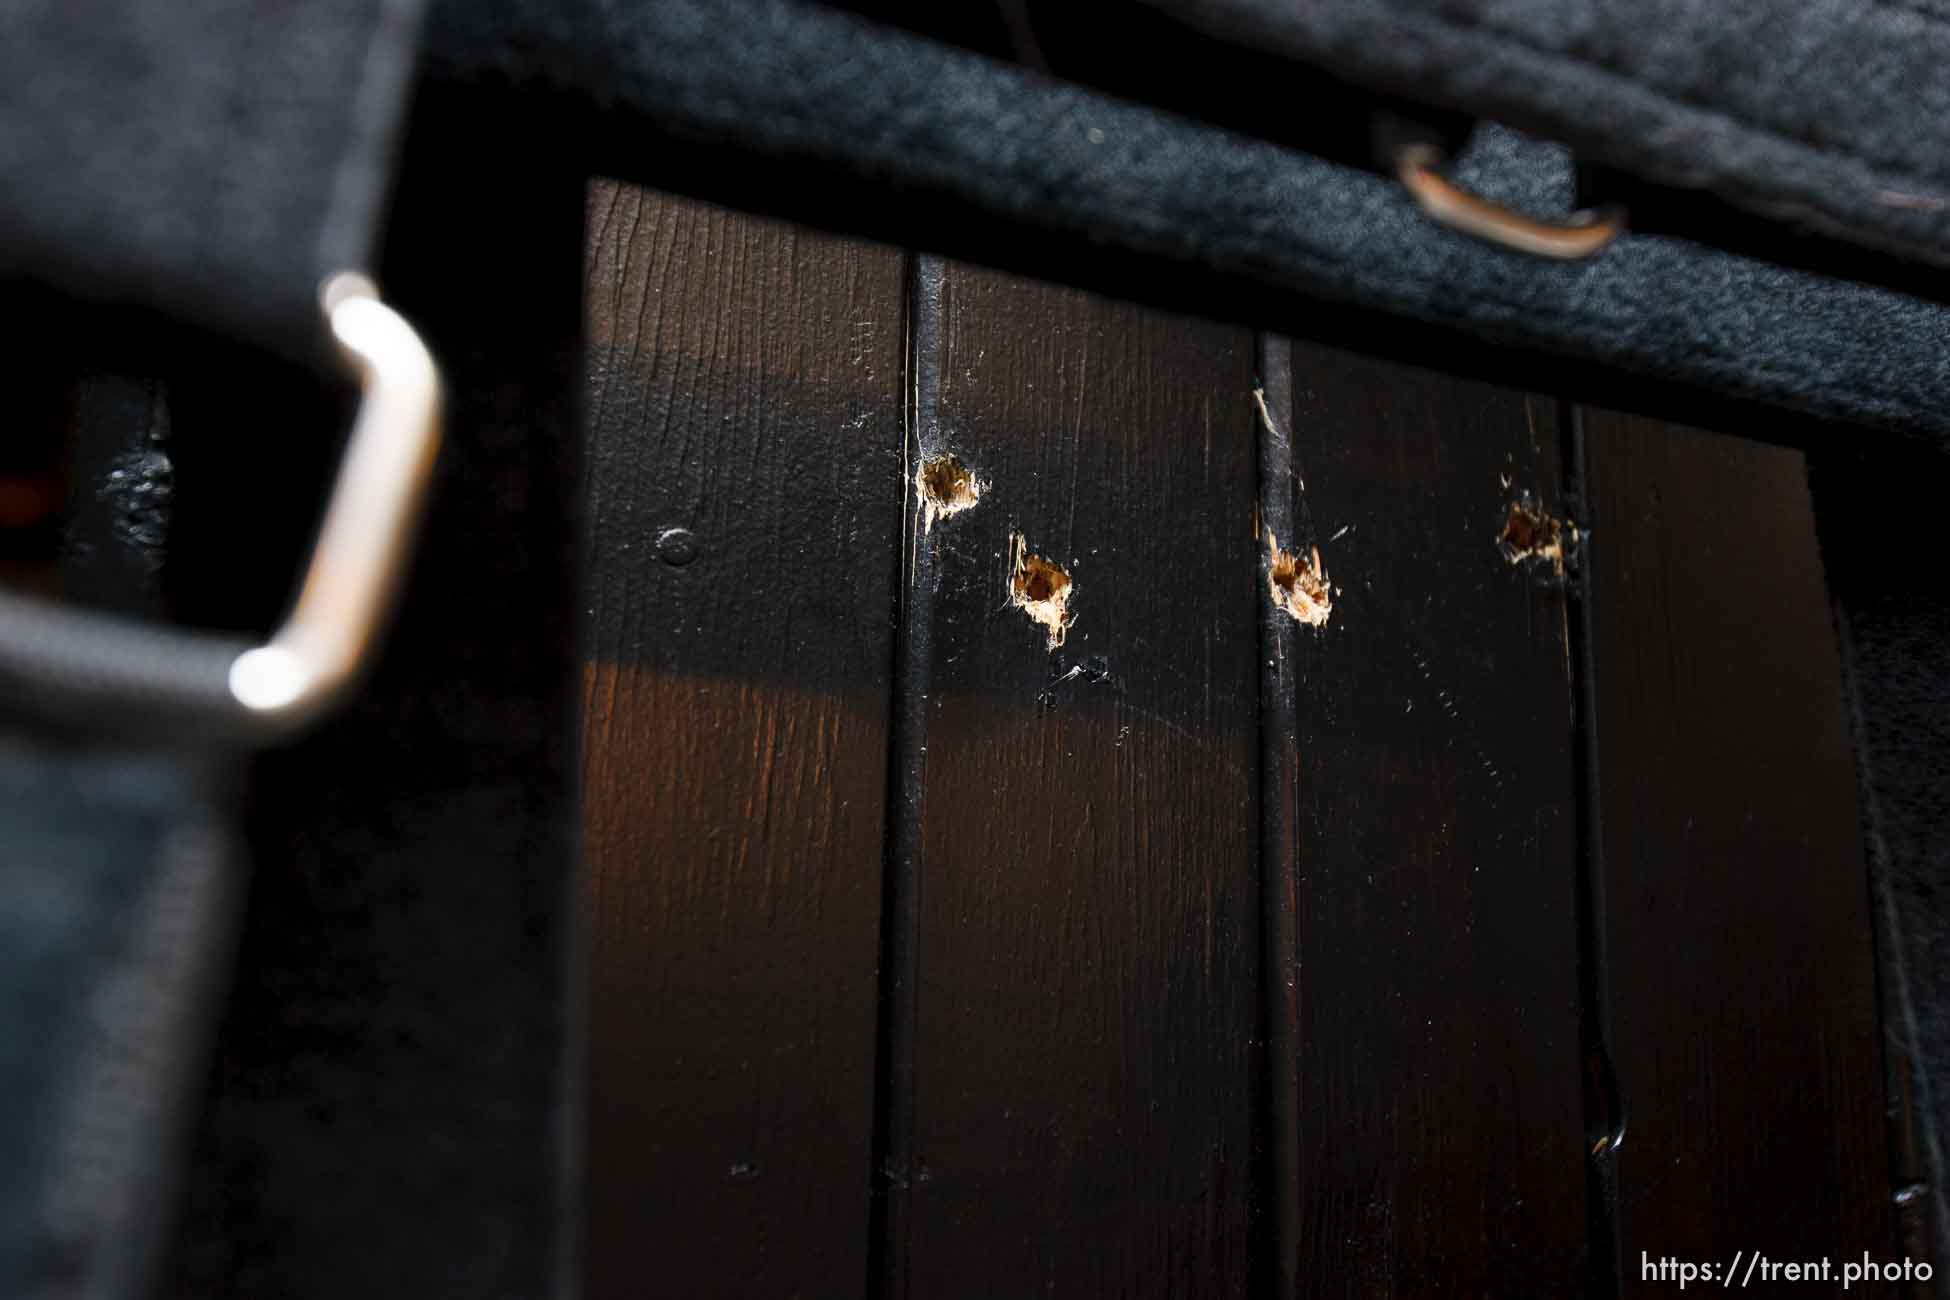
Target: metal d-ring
{"type": "Point", "coordinates": [369, 523]}
{"type": "Point", "coordinates": [1579, 235]}
{"type": "Point", "coordinates": [97, 672]}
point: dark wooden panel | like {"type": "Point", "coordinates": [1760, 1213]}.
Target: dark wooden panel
{"type": "Point", "coordinates": [1081, 1009]}
{"type": "Point", "coordinates": [1421, 760]}
{"type": "Point", "coordinates": [1742, 975]}
{"type": "Point", "coordinates": [744, 388]}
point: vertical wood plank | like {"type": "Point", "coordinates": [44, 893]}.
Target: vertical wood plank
{"type": "Point", "coordinates": [1742, 971]}
{"type": "Point", "coordinates": [1430, 835]}
{"type": "Point", "coordinates": [744, 495]}
{"type": "Point", "coordinates": [1084, 878]}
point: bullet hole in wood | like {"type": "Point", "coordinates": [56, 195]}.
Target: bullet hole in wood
{"type": "Point", "coordinates": [946, 487]}
{"type": "Point", "coordinates": [1040, 589]}
{"type": "Point", "coordinates": [1532, 536]}
{"type": "Point", "coordinates": [1298, 583]}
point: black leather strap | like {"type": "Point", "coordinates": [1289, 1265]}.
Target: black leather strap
{"type": "Point", "coordinates": [117, 897]}
{"type": "Point", "coordinates": [212, 158]}
{"type": "Point", "coordinates": [387, 1114]}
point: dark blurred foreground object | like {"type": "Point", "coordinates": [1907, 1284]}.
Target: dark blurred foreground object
{"type": "Point", "coordinates": [391, 1108]}
{"type": "Point", "coordinates": [210, 164]}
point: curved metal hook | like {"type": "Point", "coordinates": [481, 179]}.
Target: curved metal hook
{"type": "Point", "coordinates": [369, 523]}
{"type": "Point", "coordinates": [1580, 235]}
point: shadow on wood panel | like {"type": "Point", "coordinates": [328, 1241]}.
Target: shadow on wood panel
{"type": "Point", "coordinates": [1426, 730]}
{"type": "Point", "coordinates": [1738, 907]}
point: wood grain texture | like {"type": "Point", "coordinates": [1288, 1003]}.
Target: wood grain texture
{"type": "Point", "coordinates": [1220, 954]}
{"type": "Point", "coordinates": [1742, 972]}
{"type": "Point", "coordinates": [1427, 821]}
{"type": "Point", "coordinates": [744, 387]}
{"type": "Point", "coordinates": [1084, 878]}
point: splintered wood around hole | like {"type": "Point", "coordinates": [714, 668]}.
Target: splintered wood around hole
{"type": "Point", "coordinates": [1298, 583]}
{"type": "Point", "coordinates": [1041, 590]}
{"type": "Point", "coordinates": [1531, 535]}
{"type": "Point", "coordinates": [946, 487]}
